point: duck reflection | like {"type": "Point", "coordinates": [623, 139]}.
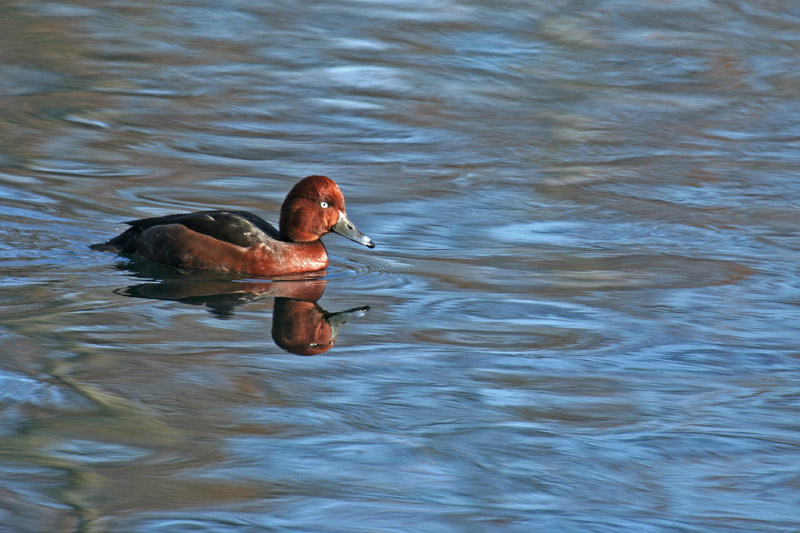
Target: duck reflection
{"type": "Point", "coordinates": [299, 324]}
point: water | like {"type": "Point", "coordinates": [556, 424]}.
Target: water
{"type": "Point", "coordinates": [583, 303]}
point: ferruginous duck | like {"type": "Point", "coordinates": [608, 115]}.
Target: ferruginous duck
{"type": "Point", "coordinates": [238, 241]}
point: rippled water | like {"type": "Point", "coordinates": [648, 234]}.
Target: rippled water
{"type": "Point", "coordinates": [583, 304]}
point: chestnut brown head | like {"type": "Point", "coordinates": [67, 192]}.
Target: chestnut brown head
{"type": "Point", "coordinates": [314, 207]}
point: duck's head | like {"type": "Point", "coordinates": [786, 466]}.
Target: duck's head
{"type": "Point", "coordinates": [314, 207]}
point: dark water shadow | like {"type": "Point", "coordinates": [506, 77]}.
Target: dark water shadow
{"type": "Point", "coordinates": [299, 324]}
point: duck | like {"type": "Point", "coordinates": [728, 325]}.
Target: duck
{"type": "Point", "coordinates": [241, 242]}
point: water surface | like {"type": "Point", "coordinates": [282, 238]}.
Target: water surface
{"type": "Point", "coordinates": [583, 303]}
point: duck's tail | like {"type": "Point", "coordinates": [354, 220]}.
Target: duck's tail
{"type": "Point", "coordinates": [124, 243]}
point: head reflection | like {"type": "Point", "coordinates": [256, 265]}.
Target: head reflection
{"type": "Point", "coordinates": [304, 328]}
{"type": "Point", "coordinates": [299, 324]}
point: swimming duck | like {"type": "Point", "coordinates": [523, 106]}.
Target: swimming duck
{"type": "Point", "coordinates": [239, 241]}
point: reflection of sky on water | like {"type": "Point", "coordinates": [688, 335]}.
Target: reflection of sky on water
{"type": "Point", "coordinates": [583, 301]}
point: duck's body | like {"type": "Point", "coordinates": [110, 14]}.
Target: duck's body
{"type": "Point", "coordinates": [238, 241]}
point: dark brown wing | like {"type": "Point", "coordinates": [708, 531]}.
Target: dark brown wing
{"type": "Point", "coordinates": [236, 227]}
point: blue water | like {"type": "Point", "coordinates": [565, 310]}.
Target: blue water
{"type": "Point", "coordinates": [583, 302]}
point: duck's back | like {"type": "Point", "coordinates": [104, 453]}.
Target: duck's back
{"type": "Point", "coordinates": [236, 227]}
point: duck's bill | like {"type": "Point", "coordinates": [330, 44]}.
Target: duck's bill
{"type": "Point", "coordinates": [345, 228]}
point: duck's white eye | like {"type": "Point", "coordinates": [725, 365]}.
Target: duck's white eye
{"type": "Point", "coordinates": [324, 204]}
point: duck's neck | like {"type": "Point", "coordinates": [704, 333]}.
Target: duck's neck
{"type": "Point", "coordinates": [293, 228]}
